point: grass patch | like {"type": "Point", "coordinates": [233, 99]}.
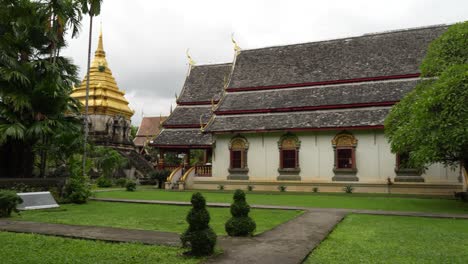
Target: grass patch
{"type": "Point", "coordinates": [394, 239]}
{"type": "Point", "coordinates": [348, 201]}
{"type": "Point", "coordinates": [147, 216]}
{"type": "Point", "coordinates": [39, 249]}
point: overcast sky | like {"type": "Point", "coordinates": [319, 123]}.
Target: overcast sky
{"type": "Point", "coordinates": [146, 40]}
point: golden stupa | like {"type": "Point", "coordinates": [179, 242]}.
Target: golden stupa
{"type": "Point", "coordinates": [105, 98]}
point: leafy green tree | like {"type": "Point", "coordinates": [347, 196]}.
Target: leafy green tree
{"type": "Point", "coordinates": [35, 82]}
{"type": "Point", "coordinates": [108, 160]}
{"type": "Point", "coordinates": [430, 123]}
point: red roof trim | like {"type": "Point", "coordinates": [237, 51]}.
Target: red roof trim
{"type": "Point", "coordinates": [183, 126]}
{"type": "Point", "coordinates": [197, 103]}
{"type": "Point", "coordinates": [302, 129]}
{"type": "Point", "coordinates": [303, 108]}
{"type": "Point", "coordinates": [293, 85]}
{"type": "Point", "coordinates": [181, 146]}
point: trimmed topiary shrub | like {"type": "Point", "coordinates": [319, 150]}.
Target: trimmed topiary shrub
{"type": "Point", "coordinates": [103, 182]}
{"type": "Point", "coordinates": [240, 223]}
{"type": "Point", "coordinates": [250, 188]}
{"type": "Point", "coordinates": [315, 189]}
{"type": "Point", "coordinates": [220, 187]}
{"type": "Point", "coordinates": [130, 186]}
{"type": "Point", "coordinates": [282, 188]}
{"type": "Point", "coordinates": [8, 202]}
{"type": "Point", "coordinates": [199, 236]}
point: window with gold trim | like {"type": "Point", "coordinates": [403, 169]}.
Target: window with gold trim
{"type": "Point", "coordinates": [238, 148]}
{"type": "Point", "coordinates": [289, 146]}
{"type": "Point", "coordinates": [344, 145]}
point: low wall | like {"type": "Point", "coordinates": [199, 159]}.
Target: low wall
{"type": "Point", "coordinates": [33, 184]}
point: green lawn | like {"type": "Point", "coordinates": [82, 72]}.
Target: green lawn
{"type": "Point", "coordinates": [393, 239]}
{"type": "Point", "coordinates": [38, 249]}
{"type": "Point", "coordinates": [147, 216]}
{"type": "Point", "coordinates": [350, 201]}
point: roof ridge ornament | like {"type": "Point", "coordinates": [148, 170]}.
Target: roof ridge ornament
{"type": "Point", "coordinates": [237, 49]}
{"type": "Point", "coordinates": [190, 60]}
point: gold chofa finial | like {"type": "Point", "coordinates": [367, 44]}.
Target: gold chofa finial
{"type": "Point", "coordinates": [237, 49]}
{"type": "Point", "coordinates": [191, 61]}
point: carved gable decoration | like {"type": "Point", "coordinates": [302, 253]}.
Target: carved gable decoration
{"type": "Point", "coordinates": [239, 143]}
{"type": "Point", "coordinates": [344, 140]}
{"type": "Point", "coordinates": [289, 141]}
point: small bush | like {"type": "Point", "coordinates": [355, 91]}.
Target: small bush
{"type": "Point", "coordinates": [77, 190]}
{"type": "Point", "coordinates": [8, 202]}
{"type": "Point", "coordinates": [282, 188]}
{"type": "Point", "coordinates": [199, 236]}
{"type": "Point", "coordinates": [348, 189]}
{"type": "Point", "coordinates": [220, 187]}
{"type": "Point", "coordinates": [315, 189]}
{"type": "Point", "coordinates": [250, 188]}
{"type": "Point", "coordinates": [130, 186]}
{"type": "Point", "coordinates": [103, 182]}
{"type": "Point", "coordinates": [122, 182]}
{"type": "Point", "coordinates": [240, 223]}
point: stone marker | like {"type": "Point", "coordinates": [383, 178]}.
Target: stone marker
{"type": "Point", "coordinates": [37, 200]}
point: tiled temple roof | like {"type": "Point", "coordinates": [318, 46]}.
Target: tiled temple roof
{"type": "Point", "coordinates": [182, 137]}
{"type": "Point", "coordinates": [327, 119]}
{"type": "Point", "coordinates": [205, 83]}
{"type": "Point", "coordinates": [203, 86]}
{"type": "Point", "coordinates": [337, 84]}
{"type": "Point", "coordinates": [149, 128]}
{"type": "Point", "coordinates": [189, 115]}
{"type": "Point", "coordinates": [337, 96]}
{"type": "Point", "coordinates": [384, 54]}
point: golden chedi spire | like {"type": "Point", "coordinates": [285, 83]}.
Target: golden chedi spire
{"type": "Point", "coordinates": [105, 98]}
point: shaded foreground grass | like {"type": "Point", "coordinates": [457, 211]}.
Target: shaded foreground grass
{"type": "Point", "coordinates": [147, 216]}
{"type": "Point", "coordinates": [39, 249]}
{"type": "Point", "coordinates": [348, 201]}
{"type": "Point", "coordinates": [394, 239]}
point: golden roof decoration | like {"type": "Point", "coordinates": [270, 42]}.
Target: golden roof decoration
{"type": "Point", "coordinates": [105, 98]}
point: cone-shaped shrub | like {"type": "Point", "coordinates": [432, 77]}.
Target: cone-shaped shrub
{"type": "Point", "coordinates": [199, 236]}
{"type": "Point", "coordinates": [240, 224]}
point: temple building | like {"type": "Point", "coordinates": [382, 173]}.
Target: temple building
{"type": "Point", "coordinates": [108, 113]}
{"type": "Point", "coordinates": [149, 128]}
{"type": "Point", "coordinates": [182, 131]}
{"type": "Point", "coordinates": [310, 116]}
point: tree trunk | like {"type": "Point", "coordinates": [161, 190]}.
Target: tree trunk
{"type": "Point", "coordinates": [85, 121]}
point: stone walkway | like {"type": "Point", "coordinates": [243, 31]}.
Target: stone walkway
{"type": "Point", "coordinates": [290, 242]}
{"type": "Point", "coordinates": [92, 232]}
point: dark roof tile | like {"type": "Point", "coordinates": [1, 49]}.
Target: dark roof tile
{"type": "Point", "coordinates": [185, 137]}
{"type": "Point", "coordinates": [344, 94]}
{"type": "Point", "coordinates": [204, 83]}
{"type": "Point", "coordinates": [384, 54]}
{"type": "Point", "coordinates": [300, 120]}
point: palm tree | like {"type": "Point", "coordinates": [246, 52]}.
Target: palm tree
{"type": "Point", "coordinates": [92, 8]}
{"type": "Point", "coordinates": [35, 90]}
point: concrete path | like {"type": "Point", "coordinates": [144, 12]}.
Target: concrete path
{"type": "Point", "coordinates": [289, 243]}
{"type": "Point", "coordinates": [92, 232]}
{"type": "Point", "coordinates": [279, 207]}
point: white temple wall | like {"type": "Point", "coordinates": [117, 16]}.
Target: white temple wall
{"type": "Point", "coordinates": [374, 160]}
